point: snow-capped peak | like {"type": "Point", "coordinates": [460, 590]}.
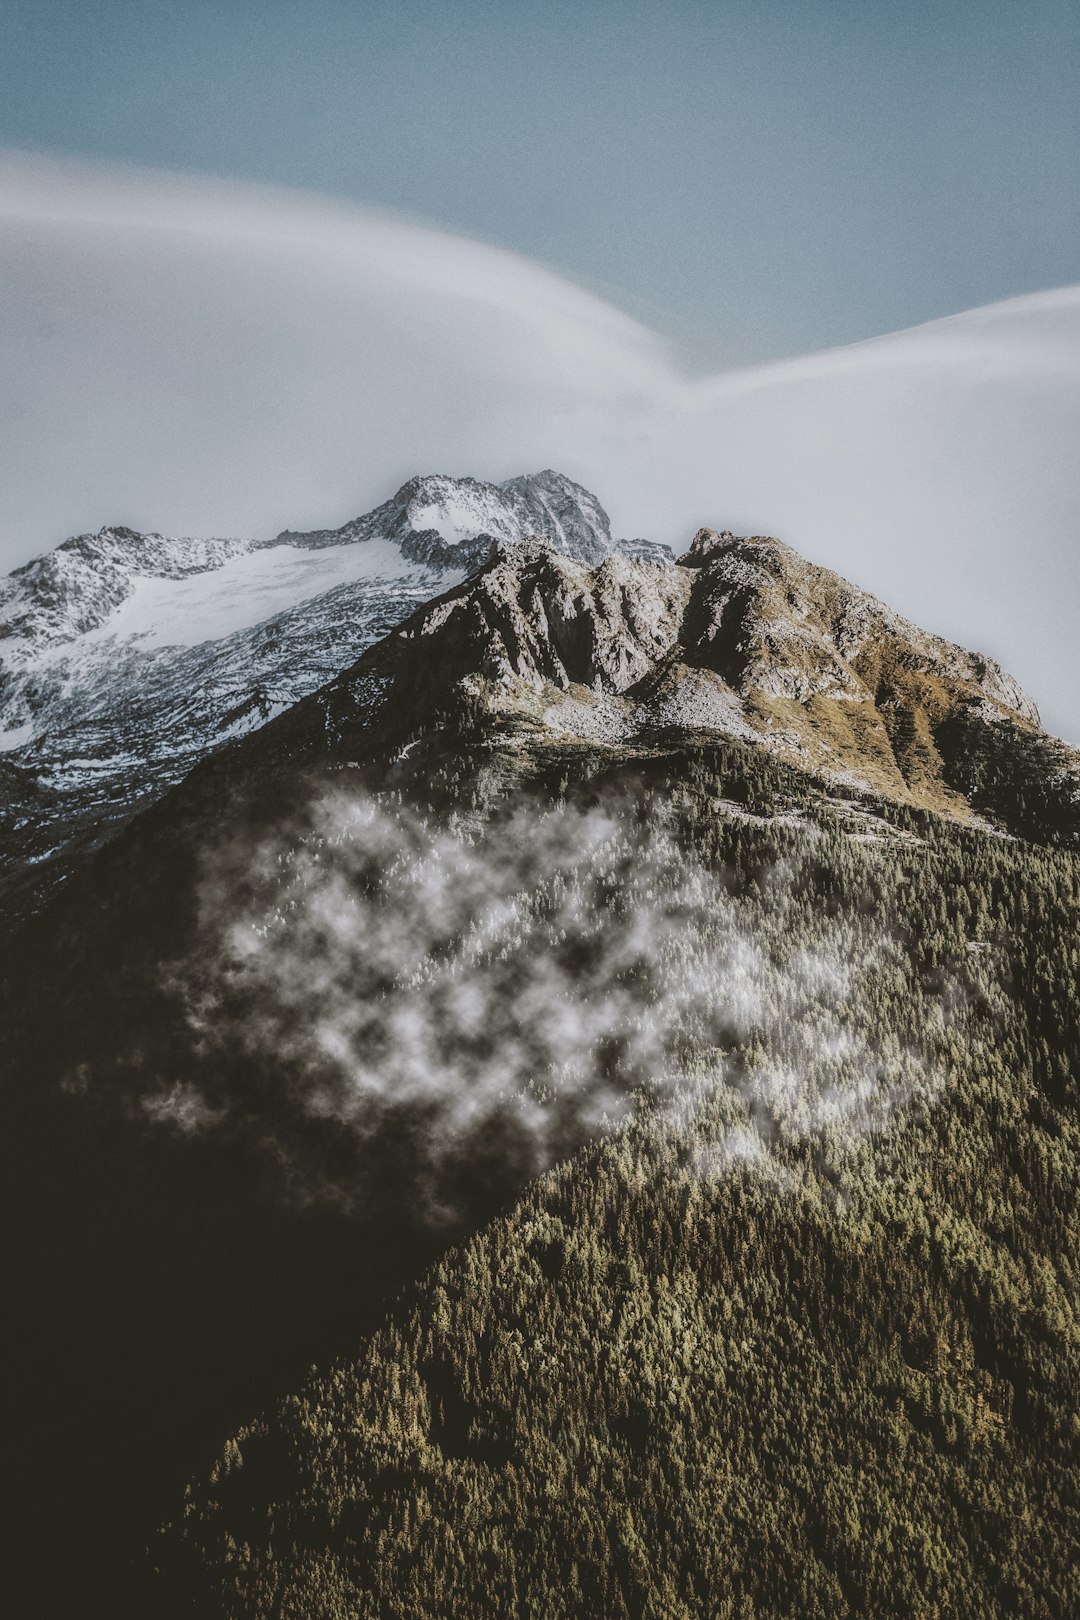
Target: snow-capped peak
{"type": "Point", "coordinates": [84, 584]}
{"type": "Point", "coordinates": [125, 657]}
{"type": "Point", "coordinates": [434, 512]}
{"type": "Point", "coordinates": [550, 504]}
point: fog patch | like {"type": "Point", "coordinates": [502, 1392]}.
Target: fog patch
{"type": "Point", "coordinates": [498, 993]}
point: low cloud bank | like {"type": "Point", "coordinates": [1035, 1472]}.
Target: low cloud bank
{"type": "Point", "coordinates": [200, 357]}
{"type": "Point", "coordinates": [514, 990]}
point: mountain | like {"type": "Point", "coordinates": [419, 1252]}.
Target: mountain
{"type": "Point", "coordinates": [741, 637]}
{"type": "Point", "coordinates": [125, 658]}
{"type": "Point", "coordinates": [807, 1346]}
{"type": "Point", "coordinates": [620, 1033]}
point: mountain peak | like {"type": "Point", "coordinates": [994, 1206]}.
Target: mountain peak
{"type": "Point", "coordinates": [116, 531]}
{"type": "Point", "coordinates": [450, 523]}
{"type": "Point", "coordinates": [127, 656]}
{"type": "Point", "coordinates": [550, 503]}
{"type": "Point", "coordinates": [705, 544]}
{"type": "Point", "coordinates": [770, 584]}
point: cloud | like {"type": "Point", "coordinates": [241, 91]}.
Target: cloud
{"type": "Point", "coordinates": [380, 984]}
{"type": "Point", "coordinates": [205, 357]}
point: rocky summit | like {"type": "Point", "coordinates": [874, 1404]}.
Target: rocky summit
{"type": "Point", "coordinates": [742, 637]}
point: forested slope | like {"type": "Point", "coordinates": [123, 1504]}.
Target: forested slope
{"type": "Point", "coordinates": [795, 1348]}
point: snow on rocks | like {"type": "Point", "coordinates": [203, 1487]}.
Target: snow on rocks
{"type": "Point", "coordinates": [126, 657]}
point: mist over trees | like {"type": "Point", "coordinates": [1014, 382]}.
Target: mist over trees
{"type": "Point", "coordinates": [713, 1364]}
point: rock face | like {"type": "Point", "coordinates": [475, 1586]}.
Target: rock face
{"type": "Point", "coordinates": [534, 618]}
{"type": "Point", "coordinates": [750, 611]}
{"type": "Point", "coordinates": [741, 636]}
{"type": "Point", "coordinates": [784, 628]}
{"type": "Point", "coordinates": [125, 658]}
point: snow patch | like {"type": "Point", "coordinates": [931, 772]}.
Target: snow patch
{"type": "Point", "coordinates": [243, 592]}
{"type": "Point", "coordinates": [16, 737]}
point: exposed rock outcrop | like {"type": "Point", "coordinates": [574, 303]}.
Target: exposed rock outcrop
{"type": "Point", "coordinates": [742, 636]}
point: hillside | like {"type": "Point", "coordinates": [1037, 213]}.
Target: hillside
{"type": "Point", "coordinates": [807, 1346]}
{"type": "Point", "coordinates": [719, 1088]}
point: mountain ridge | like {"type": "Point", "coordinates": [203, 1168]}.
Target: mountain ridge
{"type": "Point", "coordinates": [127, 657]}
{"type": "Point", "coordinates": [741, 637]}
{"type": "Point", "coordinates": [112, 690]}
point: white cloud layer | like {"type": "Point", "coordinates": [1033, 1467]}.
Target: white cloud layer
{"type": "Point", "coordinates": [203, 357]}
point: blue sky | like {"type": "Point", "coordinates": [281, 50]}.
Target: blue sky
{"type": "Point", "coordinates": [750, 180]}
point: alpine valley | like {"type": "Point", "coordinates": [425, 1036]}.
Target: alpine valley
{"type": "Point", "coordinates": [540, 1079]}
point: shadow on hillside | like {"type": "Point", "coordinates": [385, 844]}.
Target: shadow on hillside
{"type": "Point", "coordinates": [157, 1304]}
